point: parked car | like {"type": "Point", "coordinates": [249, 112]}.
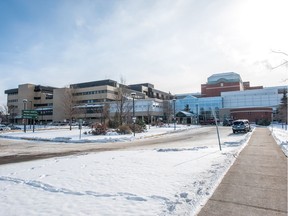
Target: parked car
{"type": "Point", "coordinates": [4, 128]}
{"type": "Point", "coordinates": [227, 122]}
{"type": "Point", "coordinates": [13, 127]}
{"type": "Point", "coordinates": [241, 125]}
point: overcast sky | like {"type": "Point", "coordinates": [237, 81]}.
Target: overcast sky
{"type": "Point", "coordinates": [174, 44]}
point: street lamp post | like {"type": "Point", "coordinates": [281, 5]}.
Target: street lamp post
{"type": "Point", "coordinates": [174, 100]}
{"type": "Point", "coordinates": [197, 111]}
{"type": "Point", "coordinates": [24, 103]}
{"type": "Point", "coordinates": [85, 113]}
{"type": "Point", "coordinates": [133, 118]}
{"type": "Point", "coordinates": [30, 109]}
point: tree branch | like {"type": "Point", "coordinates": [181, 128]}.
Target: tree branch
{"type": "Point", "coordinates": [286, 62]}
{"type": "Point", "coordinates": [280, 52]}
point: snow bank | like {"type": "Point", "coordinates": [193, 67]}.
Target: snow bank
{"type": "Point", "coordinates": [281, 137]}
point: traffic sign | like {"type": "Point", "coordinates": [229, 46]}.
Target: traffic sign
{"type": "Point", "coordinates": [29, 114]}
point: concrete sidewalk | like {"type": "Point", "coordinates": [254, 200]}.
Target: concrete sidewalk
{"type": "Point", "coordinates": [256, 184]}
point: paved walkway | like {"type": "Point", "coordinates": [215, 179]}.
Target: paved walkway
{"type": "Point", "coordinates": [256, 184]}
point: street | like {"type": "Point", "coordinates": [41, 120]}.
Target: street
{"type": "Point", "coordinates": [13, 151]}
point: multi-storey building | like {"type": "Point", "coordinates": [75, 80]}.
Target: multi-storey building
{"type": "Point", "coordinates": [229, 97]}
{"type": "Point", "coordinates": [224, 82]}
{"type": "Point", "coordinates": [253, 104]}
{"type": "Point", "coordinates": [87, 100]}
{"type": "Point", "coordinates": [150, 92]}
{"type": "Point", "coordinates": [30, 97]}
{"type": "Point", "coordinates": [224, 94]}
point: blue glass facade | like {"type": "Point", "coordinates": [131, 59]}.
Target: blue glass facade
{"type": "Point", "coordinates": [199, 106]}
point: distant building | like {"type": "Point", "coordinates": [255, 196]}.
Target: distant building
{"type": "Point", "coordinates": [86, 100]}
{"type": "Point", "coordinates": [224, 82]}
{"type": "Point", "coordinates": [229, 97]}
{"type": "Point", "coordinates": [200, 106]}
{"type": "Point", "coordinates": [224, 94]}
{"type": "Point", "coordinates": [150, 92]}
{"type": "Point", "coordinates": [33, 97]}
{"type": "Point", "coordinates": [253, 104]}
{"type": "Point", "coordinates": [254, 114]}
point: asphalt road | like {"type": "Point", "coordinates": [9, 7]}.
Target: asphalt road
{"type": "Point", "coordinates": [14, 151]}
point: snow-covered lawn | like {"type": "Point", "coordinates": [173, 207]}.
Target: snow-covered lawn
{"type": "Point", "coordinates": [77, 136]}
{"type": "Point", "coordinates": [162, 181]}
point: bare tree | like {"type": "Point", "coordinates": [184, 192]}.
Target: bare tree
{"type": "Point", "coordinates": [70, 105]}
{"type": "Point", "coordinates": [123, 103]}
{"type": "Point", "coordinates": [106, 112]}
{"type": "Point", "coordinates": [12, 113]}
{"type": "Point", "coordinates": [4, 113]}
{"type": "Point", "coordinates": [284, 63]}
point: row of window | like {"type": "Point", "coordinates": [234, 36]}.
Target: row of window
{"type": "Point", "coordinates": [13, 93]}
{"type": "Point", "coordinates": [90, 101]}
{"type": "Point", "coordinates": [90, 92]}
{"type": "Point", "coordinates": [13, 101]}
{"type": "Point", "coordinates": [44, 112]}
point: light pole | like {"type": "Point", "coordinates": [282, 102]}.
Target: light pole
{"type": "Point", "coordinates": [174, 100]}
{"type": "Point", "coordinates": [24, 103]}
{"type": "Point", "coordinates": [133, 118]}
{"type": "Point", "coordinates": [85, 113]}
{"type": "Point", "coordinates": [197, 111]}
{"type": "Point", "coordinates": [30, 109]}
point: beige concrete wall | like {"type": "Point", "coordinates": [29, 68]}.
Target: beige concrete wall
{"type": "Point", "coordinates": [25, 91]}
{"type": "Point", "coordinates": [13, 106]}
{"type": "Point", "coordinates": [58, 104]}
{"type": "Point", "coordinates": [100, 96]}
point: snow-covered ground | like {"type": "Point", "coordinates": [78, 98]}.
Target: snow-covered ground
{"type": "Point", "coordinates": [162, 181]}
{"type": "Point", "coordinates": [280, 134]}
{"type": "Point", "coordinates": [63, 134]}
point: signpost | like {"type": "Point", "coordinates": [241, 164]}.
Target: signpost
{"type": "Point", "coordinates": [80, 127]}
{"type": "Point", "coordinates": [30, 114]}
{"type": "Point", "coordinates": [215, 118]}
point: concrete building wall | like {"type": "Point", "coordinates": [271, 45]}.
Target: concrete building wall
{"type": "Point", "coordinates": [59, 104]}
{"type": "Point", "coordinates": [36, 100]}
{"type": "Point", "coordinates": [94, 94]}
{"type": "Point", "coordinates": [26, 91]}
{"type": "Point", "coordinates": [13, 106]}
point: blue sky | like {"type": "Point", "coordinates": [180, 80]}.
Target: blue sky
{"type": "Point", "coordinates": [174, 44]}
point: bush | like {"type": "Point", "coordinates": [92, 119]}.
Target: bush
{"type": "Point", "coordinates": [138, 128]}
{"type": "Point", "coordinates": [263, 122]}
{"type": "Point", "coordinates": [141, 123]}
{"type": "Point", "coordinates": [113, 123]}
{"type": "Point", "coordinates": [124, 129]}
{"type": "Point", "coordinates": [98, 129]}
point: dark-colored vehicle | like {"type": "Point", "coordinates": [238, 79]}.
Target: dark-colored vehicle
{"type": "Point", "coordinates": [13, 127]}
{"type": "Point", "coordinates": [227, 122]}
{"type": "Point", "coordinates": [241, 125]}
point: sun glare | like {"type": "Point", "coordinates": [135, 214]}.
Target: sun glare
{"type": "Point", "coordinates": [261, 23]}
